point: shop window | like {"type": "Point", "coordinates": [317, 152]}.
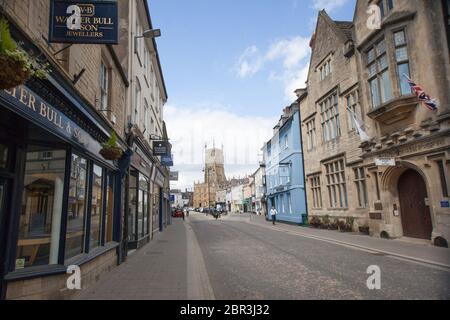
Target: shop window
{"type": "Point", "coordinates": [41, 211]}
{"type": "Point", "coordinates": [143, 218]}
{"type": "Point", "coordinates": [133, 206]}
{"type": "Point", "coordinates": [3, 156]}
{"type": "Point", "coordinates": [96, 207]}
{"type": "Point", "coordinates": [109, 210]}
{"type": "Point", "coordinates": [77, 207]}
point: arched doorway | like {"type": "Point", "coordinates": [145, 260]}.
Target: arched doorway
{"type": "Point", "coordinates": [415, 214]}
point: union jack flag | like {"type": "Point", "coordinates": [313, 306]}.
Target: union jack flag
{"type": "Point", "coordinates": [423, 97]}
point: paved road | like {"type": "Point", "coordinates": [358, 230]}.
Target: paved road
{"type": "Point", "coordinates": [245, 261]}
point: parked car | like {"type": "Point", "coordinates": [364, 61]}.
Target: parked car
{"type": "Point", "coordinates": [177, 213]}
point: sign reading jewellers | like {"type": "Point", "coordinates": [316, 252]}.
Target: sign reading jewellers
{"type": "Point", "coordinates": [91, 22]}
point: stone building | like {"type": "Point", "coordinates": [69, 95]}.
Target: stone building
{"type": "Point", "coordinates": [330, 141]}
{"type": "Point", "coordinates": [397, 182]}
{"type": "Point", "coordinates": [409, 196]}
{"type": "Point", "coordinates": [61, 202]}
{"type": "Point", "coordinates": [214, 179]}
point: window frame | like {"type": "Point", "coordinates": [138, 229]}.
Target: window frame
{"type": "Point", "coordinates": [380, 72]}
{"type": "Point", "coordinates": [361, 186]}
{"type": "Point", "coordinates": [316, 189]}
{"type": "Point", "coordinates": [336, 184]}
{"type": "Point", "coordinates": [311, 134]}
{"type": "Point", "coordinates": [330, 118]}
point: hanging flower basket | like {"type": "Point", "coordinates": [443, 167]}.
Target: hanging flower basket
{"type": "Point", "coordinates": [14, 72]}
{"type": "Point", "coordinates": [111, 153]}
{"type": "Point", "coordinates": [111, 150]}
{"type": "Point", "coordinates": [16, 66]}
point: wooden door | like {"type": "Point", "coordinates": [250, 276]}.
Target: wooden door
{"type": "Point", "coordinates": [415, 214]}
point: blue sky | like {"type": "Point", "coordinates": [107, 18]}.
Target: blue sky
{"type": "Point", "coordinates": [230, 67]}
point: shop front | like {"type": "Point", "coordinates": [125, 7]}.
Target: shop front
{"type": "Point", "coordinates": [158, 200]}
{"type": "Point", "coordinates": [59, 199]}
{"type": "Point", "coordinates": [139, 195]}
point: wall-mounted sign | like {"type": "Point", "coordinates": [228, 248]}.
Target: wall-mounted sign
{"type": "Point", "coordinates": [385, 162]}
{"type": "Point", "coordinates": [30, 105]}
{"type": "Point", "coordinates": [167, 161]}
{"type": "Point", "coordinates": [92, 22]}
{"type": "Point", "coordinates": [161, 148]}
{"type": "Point", "coordinates": [173, 175]}
{"type": "Point", "coordinates": [445, 204]}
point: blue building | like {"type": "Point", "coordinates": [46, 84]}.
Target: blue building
{"type": "Point", "coordinates": [285, 182]}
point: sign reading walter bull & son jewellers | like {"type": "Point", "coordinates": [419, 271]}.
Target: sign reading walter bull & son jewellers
{"type": "Point", "coordinates": [90, 22]}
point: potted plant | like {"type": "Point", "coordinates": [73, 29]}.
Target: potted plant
{"type": "Point", "coordinates": [16, 65]}
{"type": "Point", "coordinates": [111, 151]}
{"type": "Point", "coordinates": [365, 229]}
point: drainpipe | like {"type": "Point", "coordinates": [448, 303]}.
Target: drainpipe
{"type": "Point", "coordinates": [303, 160]}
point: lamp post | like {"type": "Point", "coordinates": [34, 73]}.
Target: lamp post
{"type": "Point", "coordinates": [148, 34]}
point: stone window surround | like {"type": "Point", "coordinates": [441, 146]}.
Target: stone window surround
{"type": "Point", "coordinates": [335, 116]}
{"type": "Point", "coordinates": [387, 32]}
{"type": "Point", "coordinates": [336, 183]}
{"type": "Point", "coordinates": [322, 66]}
{"type": "Point", "coordinates": [360, 181]}
{"type": "Point", "coordinates": [311, 133]}
{"type": "Point", "coordinates": [316, 190]}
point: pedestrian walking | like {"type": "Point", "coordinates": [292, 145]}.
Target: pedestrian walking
{"type": "Point", "coordinates": [184, 213]}
{"type": "Point", "coordinates": [273, 214]}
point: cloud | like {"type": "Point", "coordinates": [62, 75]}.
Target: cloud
{"type": "Point", "coordinates": [250, 62]}
{"type": "Point", "coordinates": [328, 5]}
{"type": "Point", "coordinates": [293, 54]}
{"type": "Point", "coordinates": [191, 127]}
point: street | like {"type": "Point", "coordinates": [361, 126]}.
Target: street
{"type": "Point", "coordinates": [240, 258]}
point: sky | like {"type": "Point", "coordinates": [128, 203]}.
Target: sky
{"type": "Point", "coordinates": [230, 67]}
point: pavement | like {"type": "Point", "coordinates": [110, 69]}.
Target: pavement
{"type": "Point", "coordinates": [244, 257]}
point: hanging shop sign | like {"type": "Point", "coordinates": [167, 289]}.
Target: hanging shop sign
{"type": "Point", "coordinates": [167, 161]}
{"type": "Point", "coordinates": [161, 148]}
{"type": "Point", "coordinates": [173, 175]}
{"type": "Point", "coordinates": [90, 22]}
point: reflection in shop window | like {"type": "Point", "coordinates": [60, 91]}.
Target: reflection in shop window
{"type": "Point", "coordinates": [96, 207]}
{"type": "Point", "coordinates": [3, 156]}
{"type": "Point", "coordinates": [76, 207]}
{"type": "Point", "coordinates": [132, 213]}
{"type": "Point", "coordinates": [40, 215]}
{"type": "Point", "coordinates": [109, 214]}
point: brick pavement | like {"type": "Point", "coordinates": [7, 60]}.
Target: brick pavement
{"type": "Point", "coordinates": [157, 271]}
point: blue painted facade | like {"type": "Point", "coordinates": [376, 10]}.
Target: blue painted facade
{"type": "Point", "coordinates": [285, 183]}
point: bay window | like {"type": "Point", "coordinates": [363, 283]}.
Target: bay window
{"type": "Point", "coordinates": [379, 79]}
{"type": "Point", "coordinates": [401, 56]}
